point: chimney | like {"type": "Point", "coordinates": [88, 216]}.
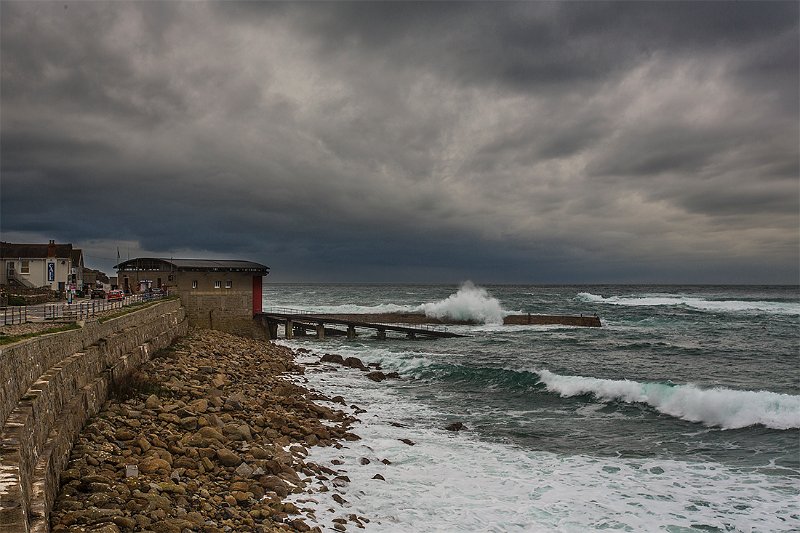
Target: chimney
{"type": "Point", "coordinates": [51, 248]}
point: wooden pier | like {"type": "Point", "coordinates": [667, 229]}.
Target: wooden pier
{"type": "Point", "coordinates": [299, 323]}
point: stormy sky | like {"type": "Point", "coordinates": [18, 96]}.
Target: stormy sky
{"type": "Point", "coordinates": [526, 142]}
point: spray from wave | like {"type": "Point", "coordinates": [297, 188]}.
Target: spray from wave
{"type": "Point", "coordinates": [469, 303]}
{"type": "Point", "coordinates": [783, 308]}
{"type": "Point", "coordinates": [725, 408]}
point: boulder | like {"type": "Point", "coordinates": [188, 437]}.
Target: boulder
{"type": "Point", "coordinates": [228, 458]}
{"type": "Point", "coordinates": [153, 402]}
{"type": "Point", "coordinates": [354, 362]}
{"type": "Point", "coordinates": [234, 402]}
{"type": "Point", "coordinates": [209, 433]}
{"type": "Point", "coordinates": [332, 358]}
{"type": "Point", "coordinates": [237, 431]}
{"type": "Point", "coordinates": [150, 465]}
{"type": "Point", "coordinates": [124, 434]}
{"type": "Point", "coordinates": [244, 470]}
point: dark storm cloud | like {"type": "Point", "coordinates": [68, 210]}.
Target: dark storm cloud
{"type": "Point", "coordinates": [410, 141]}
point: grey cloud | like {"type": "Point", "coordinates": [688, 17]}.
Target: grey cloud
{"type": "Point", "coordinates": [408, 141]}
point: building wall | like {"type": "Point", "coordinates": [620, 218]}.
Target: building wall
{"type": "Point", "coordinates": [38, 271]}
{"type": "Point", "coordinates": [49, 386]}
{"type": "Point", "coordinates": [225, 308]}
{"type": "Point", "coordinates": [167, 278]}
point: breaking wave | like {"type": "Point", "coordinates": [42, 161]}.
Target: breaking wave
{"type": "Point", "coordinates": [346, 309]}
{"type": "Point", "coordinates": [783, 308]}
{"type": "Point", "coordinates": [469, 303]}
{"type": "Point", "coordinates": [718, 407]}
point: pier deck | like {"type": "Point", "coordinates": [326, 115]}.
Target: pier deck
{"type": "Point", "coordinates": [297, 322]}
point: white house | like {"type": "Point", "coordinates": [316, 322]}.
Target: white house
{"type": "Point", "coordinates": [38, 265]}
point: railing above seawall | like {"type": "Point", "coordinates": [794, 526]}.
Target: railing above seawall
{"type": "Point", "coordinates": [21, 363]}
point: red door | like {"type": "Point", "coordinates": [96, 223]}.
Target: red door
{"type": "Point", "coordinates": [257, 294]}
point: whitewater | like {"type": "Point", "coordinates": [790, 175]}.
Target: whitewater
{"type": "Point", "coordinates": [680, 414]}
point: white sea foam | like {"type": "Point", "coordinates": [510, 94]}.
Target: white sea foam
{"type": "Point", "coordinates": [724, 408]}
{"type": "Point", "coordinates": [344, 309]}
{"type": "Point", "coordinates": [469, 303]}
{"type": "Point", "coordinates": [702, 304]}
{"type": "Point", "coordinates": [458, 482]}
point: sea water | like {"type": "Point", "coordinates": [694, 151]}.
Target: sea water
{"type": "Point", "coordinates": [682, 413]}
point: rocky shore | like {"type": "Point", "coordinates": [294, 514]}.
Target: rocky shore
{"type": "Point", "coordinates": [210, 436]}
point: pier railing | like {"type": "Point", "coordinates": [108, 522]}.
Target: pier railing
{"type": "Point", "coordinates": [306, 313]}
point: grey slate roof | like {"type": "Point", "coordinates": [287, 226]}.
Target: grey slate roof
{"type": "Point", "coordinates": [214, 265]}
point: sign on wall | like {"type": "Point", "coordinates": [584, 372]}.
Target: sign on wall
{"type": "Point", "coordinates": [51, 271]}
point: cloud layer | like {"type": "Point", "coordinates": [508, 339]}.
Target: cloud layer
{"type": "Point", "coordinates": [531, 142]}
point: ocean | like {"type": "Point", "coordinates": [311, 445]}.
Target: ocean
{"type": "Point", "coordinates": [682, 413]}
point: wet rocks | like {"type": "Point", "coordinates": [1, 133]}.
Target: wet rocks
{"type": "Point", "coordinates": [377, 375]}
{"type": "Point", "coordinates": [373, 371]}
{"type": "Point", "coordinates": [212, 440]}
{"type": "Point", "coordinates": [332, 358]}
{"type": "Point", "coordinates": [354, 362]}
{"type": "Point", "coordinates": [455, 426]}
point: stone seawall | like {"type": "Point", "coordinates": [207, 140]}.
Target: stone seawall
{"type": "Point", "coordinates": [50, 385]}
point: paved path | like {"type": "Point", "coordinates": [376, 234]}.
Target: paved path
{"type": "Point", "coordinates": [79, 308]}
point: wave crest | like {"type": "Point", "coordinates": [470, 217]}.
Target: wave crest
{"type": "Point", "coordinates": [469, 303]}
{"type": "Point", "coordinates": [719, 407]}
{"type": "Point", "coordinates": [702, 304]}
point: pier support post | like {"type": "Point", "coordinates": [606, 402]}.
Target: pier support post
{"type": "Point", "coordinates": [381, 334]}
{"type": "Point", "coordinates": [299, 331]}
{"type": "Point", "coordinates": [272, 326]}
{"type": "Point", "coordinates": [265, 325]}
{"type": "Point", "coordinates": [289, 329]}
{"type": "Point", "coordinates": [351, 332]}
{"type": "Point", "coordinates": [320, 331]}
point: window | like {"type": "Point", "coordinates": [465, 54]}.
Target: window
{"type": "Point", "coordinates": [25, 267]}
{"type": "Point", "coordinates": [217, 284]}
{"type": "Point", "coordinates": [228, 284]}
{"type": "Point", "coordinates": [194, 284]}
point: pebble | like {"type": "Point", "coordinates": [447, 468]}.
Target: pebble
{"type": "Point", "coordinates": [206, 451]}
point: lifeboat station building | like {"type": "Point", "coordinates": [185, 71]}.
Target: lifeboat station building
{"type": "Point", "coordinates": [217, 294]}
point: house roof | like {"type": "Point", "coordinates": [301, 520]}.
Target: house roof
{"type": "Point", "coordinates": [9, 250]}
{"type": "Point", "coordinates": [191, 265]}
{"type": "Point", "coordinates": [101, 276]}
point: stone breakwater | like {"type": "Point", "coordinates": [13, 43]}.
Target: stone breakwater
{"type": "Point", "coordinates": [210, 436]}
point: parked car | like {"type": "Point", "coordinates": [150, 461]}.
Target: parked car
{"type": "Point", "coordinates": [97, 293]}
{"type": "Point", "coordinates": [116, 294]}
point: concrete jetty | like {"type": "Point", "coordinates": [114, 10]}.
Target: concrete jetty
{"type": "Point", "coordinates": [299, 323]}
